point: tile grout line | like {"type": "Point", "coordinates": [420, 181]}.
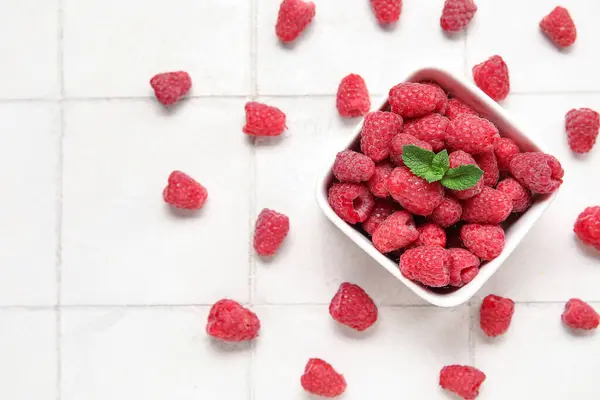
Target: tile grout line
{"type": "Point", "coordinates": [471, 336]}
{"type": "Point", "coordinates": [465, 50]}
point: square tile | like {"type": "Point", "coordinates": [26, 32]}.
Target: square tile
{"type": "Point", "coordinates": [29, 48]}
{"type": "Point", "coordinates": [148, 353]}
{"type": "Point", "coordinates": [347, 39]}
{"type": "Point", "coordinates": [29, 151]}
{"type": "Point", "coordinates": [402, 353]}
{"type": "Point", "coordinates": [538, 358]}
{"type": "Point", "coordinates": [28, 348]}
{"type": "Point", "coordinates": [113, 48]}
{"type": "Point", "coordinates": [121, 243]}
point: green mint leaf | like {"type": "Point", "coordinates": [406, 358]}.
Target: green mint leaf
{"type": "Point", "coordinates": [461, 178]}
{"type": "Point", "coordinates": [434, 174]}
{"type": "Point", "coordinates": [441, 160]}
{"type": "Point", "coordinates": [418, 160]}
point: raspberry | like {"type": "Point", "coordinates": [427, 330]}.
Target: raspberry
{"type": "Point", "coordinates": [414, 193]}
{"type": "Point", "coordinates": [488, 163]}
{"type": "Point", "coordinates": [471, 134]}
{"type": "Point", "coordinates": [398, 143]}
{"type": "Point", "coordinates": [485, 241]}
{"type": "Point", "coordinates": [559, 27]}
{"type": "Point", "coordinates": [447, 213]}
{"type": "Point", "coordinates": [353, 97]}
{"type": "Point", "coordinates": [350, 166]}
{"type": "Point", "coordinates": [587, 226]}
{"type": "Point", "coordinates": [441, 95]}
{"type": "Point", "coordinates": [464, 266]}
{"type": "Point", "coordinates": [294, 16]}
{"type": "Point", "coordinates": [263, 120]}
{"type": "Point", "coordinates": [378, 130]}
{"type": "Point", "coordinates": [505, 149]}
{"type": "Point", "coordinates": [491, 76]}
{"type": "Point", "coordinates": [462, 380]}
{"type": "Point", "coordinates": [538, 172]}
{"type": "Point", "coordinates": [413, 99]}
{"type": "Point", "coordinates": [184, 192]}
{"type": "Point", "coordinates": [382, 210]}
{"type": "Point", "coordinates": [430, 235]}
{"type": "Point", "coordinates": [458, 158]}
{"type": "Point", "coordinates": [580, 315]}
{"type": "Point", "coordinates": [456, 107]}
{"type": "Point", "coordinates": [379, 182]}
{"type": "Point", "coordinates": [491, 206]}
{"type": "Point", "coordinates": [231, 322]}
{"type": "Point", "coordinates": [396, 232]}
{"type": "Point", "coordinates": [582, 127]}
{"type": "Point", "coordinates": [387, 11]}
{"type": "Point", "coordinates": [170, 86]}
{"type": "Point", "coordinates": [270, 231]}
{"type": "Point", "coordinates": [431, 129]}
{"type": "Point", "coordinates": [457, 14]}
{"type": "Point", "coordinates": [352, 306]}
{"type": "Point", "coordinates": [426, 264]}
{"type": "Point", "coordinates": [321, 379]}
{"type": "Point", "coordinates": [521, 197]}
{"type": "Point", "coordinates": [495, 315]}
{"type": "Point", "coordinates": [351, 202]}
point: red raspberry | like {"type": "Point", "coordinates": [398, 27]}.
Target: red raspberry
{"type": "Point", "coordinates": [378, 130]}
{"type": "Point", "coordinates": [580, 315]}
{"type": "Point", "coordinates": [458, 158]}
{"type": "Point", "coordinates": [491, 76]}
{"type": "Point", "coordinates": [462, 380]}
{"type": "Point", "coordinates": [583, 126]}
{"type": "Point", "coordinates": [485, 241]}
{"type": "Point", "coordinates": [488, 163]}
{"type": "Point", "coordinates": [441, 95]}
{"type": "Point", "coordinates": [387, 11]}
{"type": "Point", "coordinates": [521, 197]}
{"type": "Point", "coordinates": [430, 128]}
{"type": "Point", "coordinates": [430, 235]}
{"type": "Point", "coordinates": [426, 264]}
{"type": "Point", "coordinates": [559, 27]}
{"type": "Point", "coordinates": [396, 232]}
{"type": "Point", "coordinates": [587, 226]}
{"type": "Point", "coordinates": [294, 16]}
{"type": "Point", "coordinates": [414, 193]}
{"type": "Point", "coordinates": [321, 379]}
{"type": "Point", "coordinates": [471, 134]}
{"type": "Point", "coordinates": [456, 107]}
{"type": "Point", "coordinates": [538, 172]}
{"type": "Point", "coordinates": [382, 210]}
{"type": "Point", "coordinates": [464, 266]}
{"type": "Point", "coordinates": [231, 322]}
{"type": "Point", "coordinates": [505, 149]}
{"type": "Point", "coordinates": [352, 306]}
{"type": "Point", "coordinates": [350, 166]}
{"type": "Point", "coordinates": [398, 143]}
{"type": "Point", "coordinates": [379, 182]}
{"type": "Point", "coordinates": [170, 86]}
{"type": "Point", "coordinates": [353, 97]}
{"type": "Point", "coordinates": [270, 232]}
{"type": "Point", "coordinates": [263, 120]}
{"type": "Point", "coordinates": [411, 99]}
{"type": "Point", "coordinates": [351, 202]}
{"type": "Point", "coordinates": [495, 315]}
{"type": "Point", "coordinates": [447, 213]}
{"type": "Point", "coordinates": [457, 14]}
{"type": "Point", "coordinates": [184, 192]}
{"type": "Point", "coordinates": [491, 206]}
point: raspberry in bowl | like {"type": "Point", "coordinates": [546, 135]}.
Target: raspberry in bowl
{"type": "Point", "coordinates": [453, 187]}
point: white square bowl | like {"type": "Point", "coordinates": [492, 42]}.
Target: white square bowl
{"type": "Point", "coordinates": [473, 96]}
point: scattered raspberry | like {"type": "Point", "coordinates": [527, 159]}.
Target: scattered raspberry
{"type": "Point", "coordinates": [521, 197]}
{"type": "Point", "coordinates": [387, 11]}
{"type": "Point", "coordinates": [462, 380]}
{"type": "Point", "coordinates": [351, 202]}
{"type": "Point", "coordinates": [464, 266]}
{"type": "Point", "coordinates": [321, 379]}
{"type": "Point", "coordinates": [184, 192]}
{"type": "Point", "coordinates": [491, 206]}
{"type": "Point", "coordinates": [270, 231]}
{"type": "Point", "coordinates": [426, 264]}
{"type": "Point", "coordinates": [495, 315]}
{"type": "Point", "coordinates": [471, 134]}
{"type": "Point", "coordinates": [505, 149]}
{"type": "Point", "coordinates": [231, 322]}
{"type": "Point", "coordinates": [263, 120]}
{"type": "Point", "coordinates": [456, 107]}
{"type": "Point", "coordinates": [447, 213]}
{"type": "Point", "coordinates": [352, 306]}
{"type": "Point", "coordinates": [382, 210]}
{"type": "Point", "coordinates": [353, 97]}
{"type": "Point", "coordinates": [488, 163]}
{"type": "Point", "coordinates": [396, 232]}
{"type": "Point", "coordinates": [430, 235]}
{"type": "Point", "coordinates": [398, 143]}
{"type": "Point", "coordinates": [587, 226]}
{"type": "Point", "coordinates": [457, 14]}
{"type": "Point", "coordinates": [559, 27]}
{"type": "Point", "coordinates": [491, 76]}
{"type": "Point", "coordinates": [582, 127]}
{"type": "Point", "coordinates": [413, 99]}
{"type": "Point", "coordinates": [430, 128]}
{"type": "Point", "coordinates": [458, 158]}
{"type": "Point", "coordinates": [294, 16]}
{"type": "Point", "coordinates": [538, 172]}
{"type": "Point", "coordinates": [441, 95]}
{"type": "Point", "coordinates": [350, 166]}
{"type": "Point", "coordinates": [171, 86]}
{"type": "Point", "coordinates": [379, 182]}
{"type": "Point", "coordinates": [580, 315]}
{"type": "Point", "coordinates": [485, 241]}
{"type": "Point", "coordinates": [414, 193]}
{"type": "Point", "coordinates": [378, 130]}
